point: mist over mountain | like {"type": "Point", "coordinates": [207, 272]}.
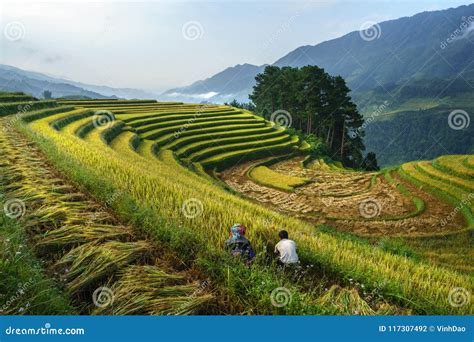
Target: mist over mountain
{"type": "Point", "coordinates": [233, 82]}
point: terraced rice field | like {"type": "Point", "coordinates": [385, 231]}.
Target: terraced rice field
{"type": "Point", "coordinates": [450, 179]}
{"type": "Point", "coordinates": [14, 103]}
{"type": "Point", "coordinates": [172, 215]}
{"type": "Point", "coordinates": [424, 200]}
{"type": "Point", "coordinates": [214, 136]}
{"type": "Point", "coordinates": [368, 204]}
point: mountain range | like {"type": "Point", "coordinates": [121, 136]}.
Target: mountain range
{"type": "Point", "coordinates": [406, 77]}
{"type": "Point", "coordinates": [35, 83]}
{"type": "Point", "coordinates": [428, 45]}
{"type": "Point", "coordinates": [232, 83]}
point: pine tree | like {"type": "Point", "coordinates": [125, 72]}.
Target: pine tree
{"type": "Point", "coordinates": [318, 103]}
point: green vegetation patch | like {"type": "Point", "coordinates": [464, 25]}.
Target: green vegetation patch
{"type": "Point", "coordinates": [266, 176]}
{"type": "Point", "coordinates": [25, 288]}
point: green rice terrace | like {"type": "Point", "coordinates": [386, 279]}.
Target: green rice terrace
{"type": "Point", "coordinates": [123, 206]}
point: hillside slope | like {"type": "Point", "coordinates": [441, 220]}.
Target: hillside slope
{"type": "Point", "coordinates": [402, 50]}
{"type": "Point", "coordinates": [15, 79]}
{"type": "Point", "coordinates": [407, 49]}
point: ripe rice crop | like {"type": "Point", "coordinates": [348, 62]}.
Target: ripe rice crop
{"type": "Point", "coordinates": [63, 223]}
{"type": "Point", "coordinates": [162, 186]}
{"type": "Point", "coordinates": [454, 165]}
{"type": "Point", "coordinates": [443, 184]}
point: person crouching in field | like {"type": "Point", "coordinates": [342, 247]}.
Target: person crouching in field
{"type": "Point", "coordinates": [286, 250]}
{"type": "Point", "coordinates": [238, 245]}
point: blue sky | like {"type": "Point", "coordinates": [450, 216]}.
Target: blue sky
{"type": "Point", "coordinates": [157, 45]}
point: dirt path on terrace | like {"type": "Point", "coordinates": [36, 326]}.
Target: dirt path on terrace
{"type": "Point", "coordinates": [347, 201]}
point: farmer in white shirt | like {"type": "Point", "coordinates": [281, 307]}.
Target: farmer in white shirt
{"type": "Point", "coordinates": [286, 249]}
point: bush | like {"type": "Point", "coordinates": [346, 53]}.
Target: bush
{"type": "Point", "coordinates": [23, 107]}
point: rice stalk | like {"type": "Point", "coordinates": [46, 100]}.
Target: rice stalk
{"type": "Point", "coordinates": [69, 221]}
{"type": "Point", "coordinates": [61, 188]}
{"type": "Point", "coordinates": [90, 262]}
{"type": "Point", "coordinates": [344, 301]}
{"type": "Point", "coordinates": [70, 235]}
{"type": "Point", "coordinates": [164, 185]}
{"type": "Point", "coordinates": [88, 218]}
{"type": "Point", "coordinates": [390, 310]}
{"type": "Point", "coordinates": [46, 217]}
{"type": "Point", "coordinates": [147, 290]}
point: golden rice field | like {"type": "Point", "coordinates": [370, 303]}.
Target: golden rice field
{"type": "Point", "coordinates": [174, 177]}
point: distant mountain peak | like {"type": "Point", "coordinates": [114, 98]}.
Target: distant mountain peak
{"type": "Point", "coordinates": [221, 87]}
{"type": "Point", "coordinates": [16, 79]}
{"type": "Point", "coordinates": [408, 48]}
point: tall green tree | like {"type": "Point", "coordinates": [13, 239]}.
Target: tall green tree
{"type": "Point", "coordinates": [47, 94]}
{"type": "Point", "coordinates": [319, 104]}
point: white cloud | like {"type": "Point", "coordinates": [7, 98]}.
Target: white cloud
{"type": "Point", "coordinates": [204, 96]}
{"type": "Point", "coordinates": [140, 44]}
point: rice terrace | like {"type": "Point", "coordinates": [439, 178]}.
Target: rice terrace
{"type": "Point", "coordinates": [122, 207]}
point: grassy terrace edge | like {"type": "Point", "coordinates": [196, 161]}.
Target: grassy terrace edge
{"type": "Point", "coordinates": [431, 296]}
{"type": "Point", "coordinates": [263, 175]}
